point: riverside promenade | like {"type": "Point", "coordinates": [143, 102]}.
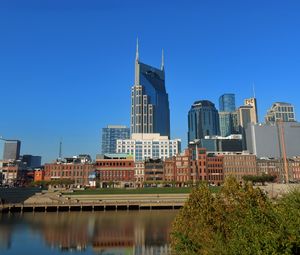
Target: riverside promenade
{"type": "Point", "coordinates": [58, 201]}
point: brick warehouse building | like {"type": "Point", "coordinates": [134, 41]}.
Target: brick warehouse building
{"type": "Point", "coordinates": [77, 169]}
{"type": "Point", "coordinates": [194, 165]}
{"type": "Point", "coordinates": [239, 165]}
{"type": "Point", "coordinates": [115, 170]}
{"type": "Point", "coordinates": [215, 173]}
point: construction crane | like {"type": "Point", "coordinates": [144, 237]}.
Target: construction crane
{"type": "Point", "coordinates": [283, 149]}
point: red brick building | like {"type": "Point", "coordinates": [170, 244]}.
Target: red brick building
{"type": "Point", "coordinates": [115, 171]}
{"type": "Point", "coordinates": [170, 170]}
{"type": "Point", "coordinates": [77, 169]}
{"type": "Point", "coordinates": [194, 165]}
{"type": "Point", "coordinates": [295, 168]}
{"type": "Point", "coordinates": [215, 173]}
{"type": "Point", "coordinates": [198, 164]}
{"type": "Point", "coordinates": [239, 165]}
{"type": "Point", "coordinates": [39, 175]}
{"type": "Point", "coordinates": [182, 168]}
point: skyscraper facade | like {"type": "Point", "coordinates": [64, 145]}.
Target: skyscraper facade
{"type": "Point", "coordinates": [226, 126]}
{"type": "Point", "coordinates": [110, 135]}
{"type": "Point", "coordinates": [252, 102]}
{"type": "Point", "coordinates": [227, 103]}
{"type": "Point", "coordinates": [11, 149]}
{"type": "Point", "coordinates": [203, 120]}
{"type": "Point", "coordinates": [149, 100]}
{"type": "Point", "coordinates": [281, 111]}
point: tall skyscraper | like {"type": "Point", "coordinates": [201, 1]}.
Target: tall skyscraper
{"type": "Point", "coordinates": [245, 117]}
{"type": "Point", "coordinates": [11, 149]}
{"type": "Point", "coordinates": [252, 102]}
{"type": "Point", "coordinates": [149, 100]}
{"type": "Point", "coordinates": [110, 135]}
{"type": "Point", "coordinates": [281, 111]}
{"type": "Point", "coordinates": [227, 103]}
{"type": "Point", "coordinates": [203, 120]}
{"type": "Point", "coordinates": [226, 127]}
{"type": "Point", "coordinates": [235, 122]}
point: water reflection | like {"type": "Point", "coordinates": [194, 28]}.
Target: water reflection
{"type": "Point", "coordinates": [143, 232]}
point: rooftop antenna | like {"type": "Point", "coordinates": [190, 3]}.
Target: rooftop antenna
{"type": "Point", "coordinates": [253, 88]}
{"type": "Point", "coordinates": [60, 150]}
{"type": "Point", "coordinates": [137, 50]}
{"type": "Point", "coordinates": [162, 60]}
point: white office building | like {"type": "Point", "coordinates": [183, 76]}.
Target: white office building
{"type": "Point", "coordinates": [142, 146]}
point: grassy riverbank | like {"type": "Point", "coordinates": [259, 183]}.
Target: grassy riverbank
{"type": "Point", "coordinates": [114, 191]}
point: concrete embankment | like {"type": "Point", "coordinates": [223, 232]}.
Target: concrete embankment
{"type": "Point", "coordinates": [55, 201]}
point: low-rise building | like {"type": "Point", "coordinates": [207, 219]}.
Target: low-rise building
{"type": "Point", "coordinates": [276, 168]}
{"type": "Point", "coordinates": [182, 168]}
{"type": "Point", "coordinates": [239, 165]}
{"type": "Point", "coordinates": [12, 172]}
{"type": "Point", "coordinates": [39, 175]}
{"type": "Point", "coordinates": [139, 168]}
{"type": "Point", "coordinates": [117, 170]}
{"type": "Point", "coordinates": [76, 169]}
{"type": "Point", "coordinates": [154, 170]}
{"type": "Point", "coordinates": [295, 168]}
{"type": "Point", "coordinates": [215, 174]}
{"type": "Point", "coordinates": [170, 170]}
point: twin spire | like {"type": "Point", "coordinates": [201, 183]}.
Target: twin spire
{"type": "Point", "coordinates": [137, 55]}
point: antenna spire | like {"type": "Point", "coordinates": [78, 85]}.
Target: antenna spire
{"type": "Point", "coordinates": [137, 50]}
{"type": "Point", "coordinates": [162, 60]}
{"type": "Point", "coordinates": [60, 150]}
{"type": "Point", "coordinates": [253, 88]}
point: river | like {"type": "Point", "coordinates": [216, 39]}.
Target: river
{"type": "Point", "coordinates": [105, 233]}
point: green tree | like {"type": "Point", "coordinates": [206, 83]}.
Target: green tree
{"type": "Point", "coordinates": [236, 220]}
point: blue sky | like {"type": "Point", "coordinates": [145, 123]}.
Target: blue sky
{"type": "Point", "coordinates": [67, 67]}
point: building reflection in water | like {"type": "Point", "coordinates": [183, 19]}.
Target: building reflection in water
{"type": "Point", "coordinates": [120, 233]}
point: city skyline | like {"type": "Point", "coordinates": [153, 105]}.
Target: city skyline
{"type": "Point", "coordinates": [66, 73]}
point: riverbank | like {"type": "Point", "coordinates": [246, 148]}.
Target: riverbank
{"type": "Point", "coordinates": [118, 199]}
{"type": "Point", "coordinates": [57, 201]}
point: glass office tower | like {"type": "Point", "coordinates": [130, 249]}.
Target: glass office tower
{"type": "Point", "coordinates": [227, 103]}
{"type": "Point", "coordinates": [11, 150]}
{"type": "Point", "coordinates": [110, 135]}
{"type": "Point", "coordinates": [149, 100]}
{"type": "Point", "coordinates": [203, 120]}
{"type": "Point", "coordinates": [225, 123]}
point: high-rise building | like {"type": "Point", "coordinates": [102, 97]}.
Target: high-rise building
{"type": "Point", "coordinates": [11, 149]}
{"type": "Point", "coordinates": [149, 100]}
{"type": "Point", "coordinates": [244, 119]}
{"type": "Point", "coordinates": [203, 120]}
{"type": "Point", "coordinates": [220, 143]}
{"type": "Point", "coordinates": [227, 103]}
{"type": "Point", "coordinates": [154, 146]}
{"type": "Point", "coordinates": [226, 126]}
{"type": "Point", "coordinates": [110, 135]}
{"type": "Point", "coordinates": [235, 122]}
{"type": "Point", "coordinates": [269, 140]}
{"type": "Point", "coordinates": [281, 111]}
{"type": "Point", "coordinates": [252, 102]}
{"type": "Point", "coordinates": [32, 161]}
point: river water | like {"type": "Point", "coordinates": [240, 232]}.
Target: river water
{"type": "Point", "coordinates": [105, 233]}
